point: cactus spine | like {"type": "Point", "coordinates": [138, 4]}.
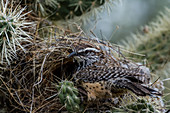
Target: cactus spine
{"type": "Point", "coordinates": [12, 31]}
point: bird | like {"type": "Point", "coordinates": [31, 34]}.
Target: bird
{"type": "Point", "coordinates": [103, 82]}
{"type": "Point", "coordinates": [103, 75]}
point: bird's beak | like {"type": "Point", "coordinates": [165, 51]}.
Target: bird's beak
{"type": "Point", "coordinates": [72, 54]}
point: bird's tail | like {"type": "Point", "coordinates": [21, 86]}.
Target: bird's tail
{"type": "Point", "coordinates": [140, 89]}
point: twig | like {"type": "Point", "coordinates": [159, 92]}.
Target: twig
{"type": "Point", "coordinates": [41, 70]}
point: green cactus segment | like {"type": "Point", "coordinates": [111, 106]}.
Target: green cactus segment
{"type": "Point", "coordinates": [44, 7]}
{"type": "Point", "coordinates": [68, 96]}
{"type": "Point", "coordinates": [140, 106]}
{"type": "Point", "coordinates": [63, 9]}
{"type": "Point", "coordinates": [70, 8]}
{"type": "Point", "coordinates": [5, 26]}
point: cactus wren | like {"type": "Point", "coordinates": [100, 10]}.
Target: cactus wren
{"type": "Point", "coordinates": [103, 75]}
{"type": "Point", "coordinates": [108, 82]}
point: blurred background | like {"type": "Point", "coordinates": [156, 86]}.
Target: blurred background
{"type": "Point", "coordinates": [126, 17]}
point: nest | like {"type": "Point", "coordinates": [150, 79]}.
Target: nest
{"type": "Point", "coordinates": [30, 81]}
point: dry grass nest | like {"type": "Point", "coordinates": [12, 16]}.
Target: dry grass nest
{"type": "Point", "coordinates": [29, 83]}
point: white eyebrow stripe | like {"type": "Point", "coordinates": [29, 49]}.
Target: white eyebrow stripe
{"type": "Point", "coordinates": [88, 49]}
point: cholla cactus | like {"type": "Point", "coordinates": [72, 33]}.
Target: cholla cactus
{"type": "Point", "coordinates": [63, 9]}
{"type": "Point", "coordinates": [153, 42]}
{"type": "Point", "coordinates": [45, 6]}
{"type": "Point", "coordinates": [68, 95]}
{"type": "Point", "coordinates": [140, 106]}
{"type": "Point", "coordinates": [12, 26]}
